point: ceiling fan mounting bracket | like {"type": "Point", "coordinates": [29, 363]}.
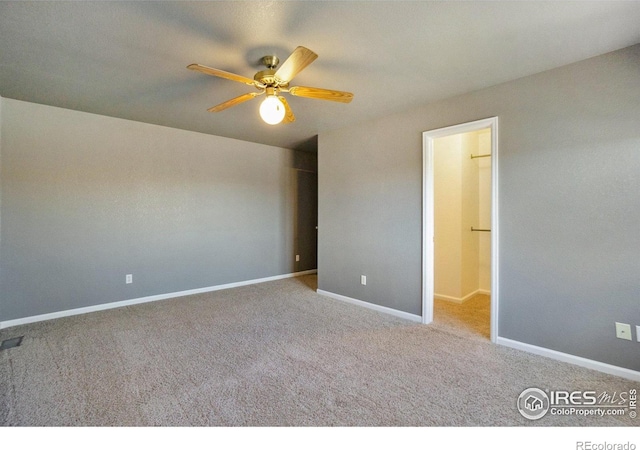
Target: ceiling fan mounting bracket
{"type": "Point", "coordinates": [270, 61]}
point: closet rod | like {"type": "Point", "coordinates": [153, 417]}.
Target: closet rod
{"type": "Point", "coordinates": [479, 229]}
{"type": "Point", "coordinates": [480, 156]}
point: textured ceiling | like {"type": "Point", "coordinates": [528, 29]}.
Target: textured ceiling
{"type": "Point", "coordinates": [128, 59]}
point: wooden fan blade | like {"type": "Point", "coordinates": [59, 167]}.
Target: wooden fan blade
{"type": "Point", "coordinates": [322, 94]}
{"type": "Point", "coordinates": [298, 60]}
{"type": "Point", "coordinates": [234, 101]}
{"type": "Point", "coordinates": [288, 114]}
{"type": "Point", "coordinates": [221, 74]}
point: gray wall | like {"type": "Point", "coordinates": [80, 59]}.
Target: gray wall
{"type": "Point", "coordinates": [569, 155]}
{"type": "Point", "coordinates": [87, 199]}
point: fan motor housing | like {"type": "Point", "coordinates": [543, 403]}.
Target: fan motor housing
{"type": "Point", "coordinates": [267, 78]}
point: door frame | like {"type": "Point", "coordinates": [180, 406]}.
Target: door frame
{"type": "Point", "coordinates": [428, 216]}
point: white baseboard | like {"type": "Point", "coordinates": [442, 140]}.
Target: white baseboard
{"type": "Point", "coordinates": [151, 298]}
{"type": "Point", "coordinates": [383, 309]}
{"type": "Point", "coordinates": [459, 300]}
{"type": "Point", "coordinates": [571, 359]}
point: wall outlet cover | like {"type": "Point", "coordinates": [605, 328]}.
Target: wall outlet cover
{"type": "Point", "coordinates": [623, 331]}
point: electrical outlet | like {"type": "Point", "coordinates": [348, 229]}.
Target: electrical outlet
{"type": "Point", "coordinates": [128, 279]}
{"type": "Point", "coordinates": [363, 280]}
{"type": "Point", "coordinates": [623, 331]}
{"type": "Point", "coordinates": [297, 258]}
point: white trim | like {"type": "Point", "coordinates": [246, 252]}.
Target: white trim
{"type": "Point", "coordinates": [382, 309]}
{"type": "Point", "coordinates": [151, 298]}
{"type": "Point", "coordinates": [571, 359]}
{"type": "Point", "coordinates": [428, 229]}
{"type": "Point", "coordinates": [495, 231]}
{"type": "Point", "coordinates": [448, 298]}
{"type": "Point", "coordinates": [428, 216]}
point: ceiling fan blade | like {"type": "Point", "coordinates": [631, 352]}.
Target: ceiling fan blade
{"type": "Point", "coordinates": [322, 94]}
{"type": "Point", "coordinates": [288, 114]}
{"type": "Point", "coordinates": [221, 74]}
{"type": "Point", "coordinates": [298, 60]}
{"type": "Point", "coordinates": [234, 101]}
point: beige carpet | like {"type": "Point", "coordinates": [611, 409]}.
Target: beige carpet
{"type": "Point", "coordinates": [271, 354]}
{"type": "Point", "coordinates": [471, 319]}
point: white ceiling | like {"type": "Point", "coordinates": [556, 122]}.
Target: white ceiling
{"type": "Point", "coordinates": [128, 59]}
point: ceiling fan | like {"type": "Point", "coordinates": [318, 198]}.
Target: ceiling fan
{"type": "Point", "coordinates": [275, 108]}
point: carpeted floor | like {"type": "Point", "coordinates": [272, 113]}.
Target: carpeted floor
{"type": "Point", "coordinates": [471, 319]}
{"type": "Point", "coordinates": [272, 354]}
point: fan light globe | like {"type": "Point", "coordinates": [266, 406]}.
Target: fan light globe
{"type": "Point", "coordinates": [272, 110]}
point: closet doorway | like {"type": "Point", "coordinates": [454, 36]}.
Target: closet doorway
{"type": "Point", "coordinates": [460, 234]}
